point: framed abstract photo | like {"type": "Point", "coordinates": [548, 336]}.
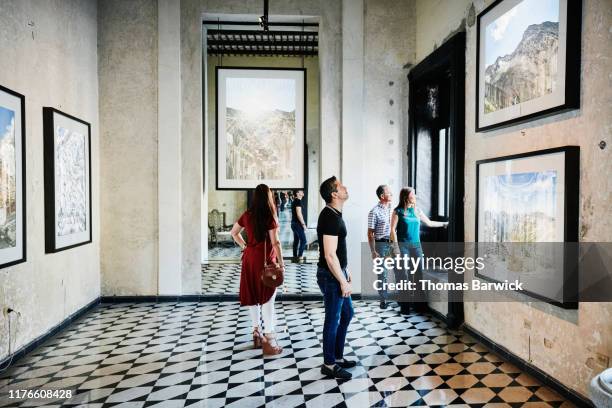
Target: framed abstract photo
{"type": "Point", "coordinates": [67, 163]}
{"type": "Point", "coordinates": [12, 178]}
{"type": "Point", "coordinates": [526, 218]}
{"type": "Point", "coordinates": [260, 129]}
{"type": "Point", "coordinates": [528, 61]}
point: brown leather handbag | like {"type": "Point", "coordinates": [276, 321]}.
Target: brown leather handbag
{"type": "Point", "coordinates": [272, 275]}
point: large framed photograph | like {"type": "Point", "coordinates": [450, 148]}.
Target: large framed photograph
{"type": "Point", "coordinates": [526, 218]}
{"type": "Point", "coordinates": [12, 178]}
{"type": "Point", "coordinates": [67, 163]}
{"type": "Point", "coordinates": [528, 61]}
{"type": "Point", "coordinates": [260, 130]}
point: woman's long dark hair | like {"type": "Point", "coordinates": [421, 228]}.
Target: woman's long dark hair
{"type": "Point", "coordinates": [404, 198]}
{"type": "Point", "coordinates": [263, 211]}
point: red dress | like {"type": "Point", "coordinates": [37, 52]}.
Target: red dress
{"type": "Point", "coordinates": [252, 289]}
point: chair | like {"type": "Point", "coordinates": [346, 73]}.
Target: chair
{"type": "Point", "coordinates": [219, 230]}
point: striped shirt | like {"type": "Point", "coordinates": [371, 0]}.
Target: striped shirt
{"type": "Point", "coordinates": [379, 220]}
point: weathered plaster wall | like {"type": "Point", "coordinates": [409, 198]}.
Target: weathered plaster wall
{"type": "Point", "coordinates": [49, 55]}
{"type": "Point", "coordinates": [128, 64]}
{"type": "Point", "coordinates": [234, 202]}
{"type": "Point", "coordinates": [436, 20]}
{"type": "Point", "coordinates": [378, 43]}
{"type": "Point", "coordinates": [389, 27]}
{"type": "Point", "coordinates": [570, 346]}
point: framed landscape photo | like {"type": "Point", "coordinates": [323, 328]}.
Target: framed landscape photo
{"type": "Point", "coordinates": [67, 164]}
{"type": "Point", "coordinates": [260, 129]}
{"type": "Point", "coordinates": [526, 214]}
{"type": "Point", "coordinates": [12, 178]}
{"type": "Point", "coordinates": [527, 61]}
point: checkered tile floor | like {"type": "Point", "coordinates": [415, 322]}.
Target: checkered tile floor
{"type": "Point", "coordinates": [200, 355]}
{"type": "Point", "coordinates": [224, 279]}
{"type": "Point", "coordinates": [233, 253]}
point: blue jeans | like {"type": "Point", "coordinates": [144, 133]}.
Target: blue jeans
{"type": "Point", "coordinates": [384, 249]}
{"type": "Point", "coordinates": [338, 315]}
{"type": "Point", "coordinates": [299, 239]}
{"type": "Point", "coordinates": [414, 250]}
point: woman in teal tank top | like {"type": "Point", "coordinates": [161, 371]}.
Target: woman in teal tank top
{"type": "Point", "coordinates": [406, 222]}
{"type": "Point", "coordinates": [406, 232]}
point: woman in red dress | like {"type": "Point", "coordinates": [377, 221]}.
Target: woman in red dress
{"type": "Point", "coordinates": [261, 227]}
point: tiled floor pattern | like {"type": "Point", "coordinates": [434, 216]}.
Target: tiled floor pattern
{"type": "Point", "coordinates": [224, 279]}
{"type": "Point", "coordinates": [200, 355]}
{"type": "Point", "coordinates": [233, 253]}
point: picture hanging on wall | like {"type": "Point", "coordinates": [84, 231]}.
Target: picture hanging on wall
{"type": "Point", "coordinates": [67, 163]}
{"type": "Point", "coordinates": [526, 213]}
{"type": "Point", "coordinates": [528, 61]}
{"type": "Point", "coordinates": [260, 129]}
{"type": "Point", "coordinates": [12, 178]}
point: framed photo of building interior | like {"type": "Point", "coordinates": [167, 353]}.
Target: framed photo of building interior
{"type": "Point", "coordinates": [527, 218]}
{"type": "Point", "coordinates": [527, 61]}
{"type": "Point", "coordinates": [12, 178]}
{"type": "Point", "coordinates": [260, 127]}
{"type": "Point", "coordinates": [67, 164]}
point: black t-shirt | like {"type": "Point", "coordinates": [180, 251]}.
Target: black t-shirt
{"type": "Point", "coordinates": [331, 223]}
{"type": "Point", "coordinates": [296, 203]}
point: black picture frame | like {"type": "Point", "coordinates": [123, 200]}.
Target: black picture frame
{"type": "Point", "coordinates": [305, 110]}
{"type": "Point", "coordinates": [10, 259]}
{"type": "Point", "coordinates": [570, 221]}
{"type": "Point", "coordinates": [52, 243]}
{"type": "Point", "coordinates": [572, 64]}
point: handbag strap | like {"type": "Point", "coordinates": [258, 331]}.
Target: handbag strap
{"type": "Point", "coordinates": [265, 254]}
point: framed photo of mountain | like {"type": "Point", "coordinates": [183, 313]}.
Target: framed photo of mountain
{"type": "Point", "coordinates": [12, 178]}
{"type": "Point", "coordinates": [526, 214]}
{"type": "Point", "coordinates": [67, 168]}
{"type": "Point", "coordinates": [260, 129]}
{"type": "Point", "coordinates": [528, 61]}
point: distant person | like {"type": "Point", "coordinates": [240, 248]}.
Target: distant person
{"type": "Point", "coordinates": [261, 227]}
{"type": "Point", "coordinates": [277, 201]}
{"type": "Point", "coordinates": [379, 233]}
{"type": "Point", "coordinates": [406, 226]}
{"type": "Point", "coordinates": [283, 197]}
{"type": "Point", "coordinates": [298, 226]}
{"type": "Point", "coordinates": [334, 280]}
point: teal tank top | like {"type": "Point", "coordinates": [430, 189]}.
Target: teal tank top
{"type": "Point", "coordinates": [408, 225]}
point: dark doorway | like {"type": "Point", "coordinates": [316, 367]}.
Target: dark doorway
{"type": "Point", "coordinates": [436, 146]}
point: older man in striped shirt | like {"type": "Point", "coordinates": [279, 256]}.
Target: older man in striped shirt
{"type": "Point", "coordinates": [379, 232]}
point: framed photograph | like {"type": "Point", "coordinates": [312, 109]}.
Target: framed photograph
{"type": "Point", "coordinates": [67, 163]}
{"type": "Point", "coordinates": [12, 178]}
{"type": "Point", "coordinates": [260, 129]}
{"type": "Point", "coordinates": [528, 61]}
{"type": "Point", "coordinates": [526, 209]}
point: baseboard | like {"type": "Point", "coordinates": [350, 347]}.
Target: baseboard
{"type": "Point", "coordinates": [15, 356]}
{"type": "Point", "coordinates": [208, 298]}
{"type": "Point", "coordinates": [437, 314]}
{"type": "Point", "coordinates": [546, 379]}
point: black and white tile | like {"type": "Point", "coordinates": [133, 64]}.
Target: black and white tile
{"type": "Point", "coordinates": [200, 355]}
{"type": "Point", "coordinates": [224, 279]}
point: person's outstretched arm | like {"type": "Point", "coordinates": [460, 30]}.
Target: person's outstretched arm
{"type": "Point", "coordinates": [432, 224]}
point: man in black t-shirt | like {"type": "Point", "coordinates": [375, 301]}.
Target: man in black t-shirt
{"type": "Point", "coordinates": [298, 226]}
{"type": "Point", "coordinates": [334, 279]}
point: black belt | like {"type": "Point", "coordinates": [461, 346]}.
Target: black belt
{"type": "Point", "coordinates": [382, 240]}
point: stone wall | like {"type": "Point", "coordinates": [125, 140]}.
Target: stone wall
{"type": "Point", "coordinates": [128, 64]}
{"type": "Point", "coordinates": [571, 346]}
{"type": "Point", "coordinates": [49, 55]}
